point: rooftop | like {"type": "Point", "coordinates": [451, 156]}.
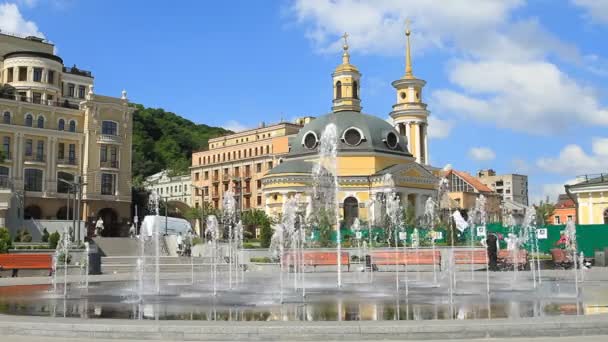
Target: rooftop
{"type": "Point", "coordinates": [591, 179]}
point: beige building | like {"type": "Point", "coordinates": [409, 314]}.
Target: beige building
{"type": "Point", "coordinates": [238, 162]}
{"type": "Point", "coordinates": [512, 187]}
{"type": "Point", "coordinates": [465, 189]}
{"type": "Point", "coordinates": [53, 126]}
{"type": "Point", "coordinates": [591, 198]}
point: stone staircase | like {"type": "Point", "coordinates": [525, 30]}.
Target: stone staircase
{"type": "Point", "coordinates": [127, 264]}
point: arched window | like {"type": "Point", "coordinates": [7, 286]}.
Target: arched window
{"type": "Point", "coordinates": [338, 90]}
{"type": "Point", "coordinates": [6, 118]}
{"type": "Point", "coordinates": [40, 121]}
{"type": "Point", "coordinates": [29, 120]}
{"type": "Point", "coordinates": [606, 216]}
{"type": "Point", "coordinates": [351, 210]}
{"type": "Point", "coordinates": [61, 125]}
{"type": "Point", "coordinates": [72, 126]}
{"type": "Point", "coordinates": [355, 90]}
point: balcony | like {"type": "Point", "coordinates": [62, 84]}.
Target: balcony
{"type": "Point", "coordinates": [61, 104]}
{"type": "Point", "coordinates": [36, 158]}
{"type": "Point", "coordinates": [111, 164]}
{"type": "Point", "coordinates": [109, 139]}
{"type": "Point", "coordinates": [67, 161]}
{"type": "Point", "coordinates": [226, 178]}
{"type": "Point", "coordinates": [215, 179]}
{"type": "Point", "coordinates": [75, 71]}
{"type": "Point", "coordinates": [247, 175]}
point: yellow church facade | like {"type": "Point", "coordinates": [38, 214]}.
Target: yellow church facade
{"type": "Point", "coordinates": [368, 149]}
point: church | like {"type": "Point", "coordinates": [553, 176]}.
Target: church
{"type": "Point", "coordinates": [368, 149]}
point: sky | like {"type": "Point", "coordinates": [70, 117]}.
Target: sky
{"type": "Point", "coordinates": [513, 85]}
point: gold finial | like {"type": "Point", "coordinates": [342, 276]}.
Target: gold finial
{"type": "Point", "coordinates": [408, 58]}
{"type": "Point", "coordinates": [345, 55]}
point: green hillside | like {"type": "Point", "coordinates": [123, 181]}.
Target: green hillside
{"type": "Point", "coordinates": [164, 140]}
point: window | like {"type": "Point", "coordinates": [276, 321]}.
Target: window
{"type": "Point", "coordinates": [352, 136]}
{"type": "Point", "coordinates": [196, 176]}
{"type": "Point", "coordinates": [355, 90]}
{"type": "Point", "coordinates": [63, 187]}
{"type": "Point", "coordinates": [259, 184]}
{"type": "Point", "coordinates": [103, 154]}
{"type": "Point", "coordinates": [41, 121]}
{"type": "Point", "coordinates": [4, 172]}
{"type": "Point", "coordinates": [338, 90]}
{"type": "Point", "coordinates": [22, 74]}
{"type": "Point", "coordinates": [206, 175]}
{"type": "Point", "coordinates": [60, 151]}
{"type": "Point", "coordinates": [6, 118]}
{"type": "Point", "coordinates": [6, 147]}
{"type": "Point", "coordinates": [40, 150]}
{"type": "Point", "coordinates": [50, 77]}
{"type": "Point", "coordinates": [258, 167]}
{"type": "Point", "coordinates": [9, 75]}
{"type": "Point", "coordinates": [32, 179]}
{"type": "Point", "coordinates": [606, 216]}
{"type": "Point", "coordinates": [28, 147]}
{"type": "Point", "coordinates": [71, 89]}
{"type": "Point", "coordinates": [61, 125]}
{"type": "Point", "coordinates": [72, 126]}
{"type": "Point", "coordinates": [109, 128]}
{"type": "Point", "coordinates": [107, 184]}
{"type": "Point", "coordinates": [81, 90]}
{"type": "Point", "coordinates": [569, 217]}
{"type": "Point", "coordinates": [37, 98]}
{"type": "Point", "coordinates": [269, 165]}
{"type": "Point", "coordinates": [37, 74]}
{"type": "Point", "coordinates": [29, 120]}
{"type": "Point", "coordinates": [72, 153]}
{"type": "Point", "coordinates": [259, 200]}
{"type": "Point", "coordinates": [557, 220]}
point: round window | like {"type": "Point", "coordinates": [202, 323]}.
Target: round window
{"type": "Point", "coordinates": [310, 140]}
{"type": "Point", "coordinates": [403, 95]}
{"type": "Point", "coordinates": [391, 140]}
{"type": "Point", "coordinates": [352, 136]}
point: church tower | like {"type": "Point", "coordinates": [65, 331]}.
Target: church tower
{"type": "Point", "coordinates": [346, 84]}
{"type": "Point", "coordinates": [410, 116]}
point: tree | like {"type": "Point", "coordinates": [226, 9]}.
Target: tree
{"type": "Point", "coordinates": [5, 240]}
{"type": "Point", "coordinates": [544, 213]}
{"type": "Point", "coordinates": [256, 218]}
{"type": "Point", "coordinates": [198, 214]}
{"type": "Point", "coordinates": [409, 216]}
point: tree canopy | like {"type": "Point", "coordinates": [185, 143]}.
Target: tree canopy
{"type": "Point", "coordinates": [164, 140]}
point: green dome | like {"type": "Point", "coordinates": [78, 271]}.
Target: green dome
{"type": "Point", "coordinates": [357, 132]}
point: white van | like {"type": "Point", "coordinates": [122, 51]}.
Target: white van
{"type": "Point", "coordinates": [169, 225]}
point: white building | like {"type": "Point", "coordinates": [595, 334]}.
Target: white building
{"type": "Point", "coordinates": [512, 187]}
{"type": "Point", "coordinates": [171, 188]}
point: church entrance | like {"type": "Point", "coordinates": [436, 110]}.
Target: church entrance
{"type": "Point", "coordinates": [351, 211]}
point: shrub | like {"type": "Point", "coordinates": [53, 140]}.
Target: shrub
{"type": "Point", "coordinates": [54, 240]}
{"type": "Point", "coordinates": [45, 235]}
{"type": "Point", "coordinates": [23, 236]}
{"type": "Point", "coordinates": [266, 235]}
{"type": "Point", "coordinates": [250, 245]}
{"type": "Point", "coordinates": [5, 240]}
{"type": "Point", "coordinates": [264, 260]}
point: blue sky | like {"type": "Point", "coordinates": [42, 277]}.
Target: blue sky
{"type": "Point", "coordinates": [515, 85]}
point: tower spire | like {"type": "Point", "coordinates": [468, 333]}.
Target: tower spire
{"type": "Point", "coordinates": [408, 57]}
{"type": "Point", "coordinates": [345, 55]}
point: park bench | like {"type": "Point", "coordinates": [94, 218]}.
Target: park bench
{"type": "Point", "coordinates": [467, 257]}
{"type": "Point", "coordinates": [18, 261]}
{"type": "Point", "coordinates": [312, 258]}
{"type": "Point", "coordinates": [561, 258]}
{"type": "Point", "coordinates": [406, 258]}
{"type": "Point", "coordinates": [508, 259]}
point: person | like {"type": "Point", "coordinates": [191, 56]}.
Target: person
{"type": "Point", "coordinates": [132, 231]}
{"type": "Point", "coordinates": [492, 246]}
{"type": "Point", "coordinates": [180, 243]}
{"type": "Point", "coordinates": [99, 226]}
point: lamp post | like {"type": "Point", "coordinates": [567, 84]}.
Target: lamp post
{"type": "Point", "coordinates": [77, 185]}
{"type": "Point", "coordinates": [202, 191]}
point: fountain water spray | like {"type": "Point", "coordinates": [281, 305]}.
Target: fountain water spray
{"type": "Point", "coordinates": [571, 248]}
{"type": "Point", "coordinates": [325, 179]}
{"type": "Point", "coordinates": [228, 218]}
{"type": "Point", "coordinates": [214, 233]}
{"type": "Point", "coordinates": [430, 209]}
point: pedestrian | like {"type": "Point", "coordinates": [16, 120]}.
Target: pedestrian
{"type": "Point", "coordinates": [180, 243]}
{"type": "Point", "coordinates": [492, 247]}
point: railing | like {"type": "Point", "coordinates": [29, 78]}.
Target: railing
{"type": "Point", "coordinates": [35, 158]}
{"type": "Point", "coordinates": [109, 138]}
{"type": "Point", "coordinates": [586, 178]}
{"type": "Point", "coordinates": [67, 161]}
{"type": "Point", "coordinates": [109, 163]}
{"type": "Point", "coordinates": [62, 104]}
{"type": "Point", "coordinates": [75, 71]}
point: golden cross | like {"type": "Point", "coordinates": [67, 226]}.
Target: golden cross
{"type": "Point", "coordinates": [345, 36]}
{"type": "Point", "coordinates": [407, 26]}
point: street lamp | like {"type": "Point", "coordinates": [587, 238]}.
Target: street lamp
{"type": "Point", "coordinates": [202, 190]}
{"type": "Point", "coordinates": [77, 185]}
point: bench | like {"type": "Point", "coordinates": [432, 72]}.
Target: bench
{"type": "Point", "coordinates": [315, 259]}
{"type": "Point", "coordinates": [18, 261]}
{"type": "Point", "coordinates": [509, 259]}
{"type": "Point", "coordinates": [467, 257]}
{"type": "Point", "coordinates": [406, 258]}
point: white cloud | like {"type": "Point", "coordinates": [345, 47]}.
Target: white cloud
{"type": "Point", "coordinates": [573, 160]}
{"type": "Point", "coordinates": [481, 154]}
{"type": "Point", "coordinates": [235, 126]}
{"type": "Point", "coordinates": [12, 21]}
{"type": "Point", "coordinates": [596, 9]}
{"type": "Point", "coordinates": [550, 190]}
{"type": "Point", "coordinates": [534, 97]}
{"type": "Point", "coordinates": [438, 128]}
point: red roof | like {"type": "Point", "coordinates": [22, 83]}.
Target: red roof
{"type": "Point", "coordinates": [467, 177]}
{"type": "Point", "coordinates": [564, 202]}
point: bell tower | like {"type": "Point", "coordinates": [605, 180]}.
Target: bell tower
{"type": "Point", "coordinates": [346, 84]}
{"type": "Point", "coordinates": [410, 116]}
